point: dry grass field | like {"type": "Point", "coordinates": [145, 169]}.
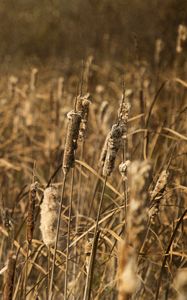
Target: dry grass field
{"type": "Point", "coordinates": [93, 179]}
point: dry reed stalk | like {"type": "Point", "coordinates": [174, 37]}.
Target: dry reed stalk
{"type": "Point", "coordinates": [60, 88]}
{"type": "Point", "coordinates": [9, 277]}
{"type": "Point", "coordinates": [68, 237]}
{"type": "Point", "coordinates": [137, 219]}
{"type": "Point", "coordinates": [31, 209]}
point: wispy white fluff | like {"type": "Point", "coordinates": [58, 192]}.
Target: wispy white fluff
{"type": "Point", "coordinates": [49, 211]}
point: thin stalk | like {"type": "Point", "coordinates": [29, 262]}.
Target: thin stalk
{"type": "Point", "coordinates": [89, 277]}
{"type": "Point", "coordinates": [48, 270]}
{"type": "Point", "coordinates": [57, 235]}
{"type": "Point", "coordinates": [68, 236]}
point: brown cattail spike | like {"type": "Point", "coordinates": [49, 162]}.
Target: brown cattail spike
{"type": "Point", "coordinates": [9, 277]}
{"type": "Point", "coordinates": [85, 112]}
{"type": "Point", "coordinates": [113, 145]}
{"type": "Point", "coordinates": [31, 209]}
{"type": "Point", "coordinates": [71, 140]}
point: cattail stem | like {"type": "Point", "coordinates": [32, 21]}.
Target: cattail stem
{"type": "Point", "coordinates": [9, 277]}
{"type": "Point", "coordinates": [89, 277]}
{"type": "Point", "coordinates": [57, 235]}
{"type": "Point", "coordinates": [68, 237]}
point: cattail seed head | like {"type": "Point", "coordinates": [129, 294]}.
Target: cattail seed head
{"type": "Point", "coordinates": [31, 209]}
{"type": "Point", "coordinates": [182, 37]}
{"type": "Point", "coordinates": [49, 211]}
{"type": "Point", "coordinates": [12, 83]}
{"type": "Point", "coordinates": [123, 169]}
{"type": "Point", "coordinates": [84, 108]}
{"type": "Point", "coordinates": [157, 194]}
{"type": "Point", "coordinates": [113, 145]}
{"type": "Point", "coordinates": [33, 79]}
{"type": "Point", "coordinates": [139, 175]}
{"type": "Point", "coordinates": [74, 120]}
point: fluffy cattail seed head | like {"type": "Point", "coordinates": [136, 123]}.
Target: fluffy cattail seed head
{"type": "Point", "coordinates": [182, 37]}
{"type": "Point", "coordinates": [123, 169]}
{"type": "Point", "coordinates": [139, 175]}
{"type": "Point", "coordinates": [33, 79]}
{"type": "Point", "coordinates": [49, 211]}
{"type": "Point", "coordinates": [157, 194]}
{"type": "Point", "coordinates": [113, 145]}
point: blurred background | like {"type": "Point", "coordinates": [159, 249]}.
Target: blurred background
{"type": "Point", "coordinates": [107, 29]}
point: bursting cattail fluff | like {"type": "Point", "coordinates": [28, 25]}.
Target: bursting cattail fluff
{"type": "Point", "coordinates": [33, 79]}
{"type": "Point", "coordinates": [113, 145]}
{"type": "Point", "coordinates": [74, 120]}
{"type": "Point", "coordinates": [49, 212]}
{"type": "Point", "coordinates": [12, 83]}
{"type": "Point", "coordinates": [31, 209]}
{"type": "Point", "coordinates": [85, 112]}
{"type": "Point", "coordinates": [182, 37]}
{"type": "Point", "coordinates": [9, 276]}
{"type": "Point", "coordinates": [180, 283]}
{"type": "Point", "coordinates": [123, 169]}
{"type": "Point", "coordinates": [83, 103]}
{"type": "Point", "coordinates": [139, 177]}
{"type": "Point", "coordinates": [157, 194]}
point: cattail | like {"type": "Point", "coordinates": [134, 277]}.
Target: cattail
{"type": "Point", "coordinates": [49, 212]}
{"type": "Point", "coordinates": [71, 140]}
{"type": "Point", "coordinates": [9, 277]}
{"type": "Point", "coordinates": [159, 46]}
{"type": "Point", "coordinates": [181, 284]}
{"type": "Point", "coordinates": [87, 250]}
{"type": "Point", "coordinates": [113, 145]}
{"type": "Point", "coordinates": [157, 194]}
{"type": "Point", "coordinates": [104, 152]}
{"type": "Point", "coordinates": [128, 280]}
{"type": "Point", "coordinates": [123, 113]}
{"type": "Point", "coordinates": [12, 83]}
{"type": "Point", "coordinates": [33, 79]}
{"type": "Point", "coordinates": [123, 169]}
{"type": "Point", "coordinates": [85, 112]}
{"type": "Point", "coordinates": [6, 218]}
{"type": "Point", "coordinates": [31, 209]}
{"type": "Point", "coordinates": [182, 37]}
{"type": "Point", "coordinates": [139, 177]}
